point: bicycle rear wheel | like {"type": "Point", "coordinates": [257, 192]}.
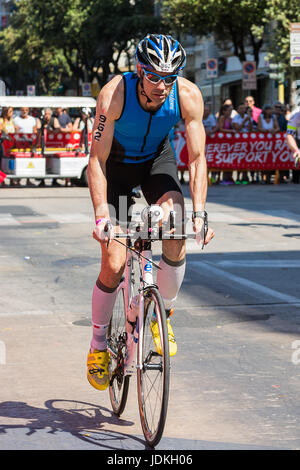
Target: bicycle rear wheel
{"type": "Point", "coordinates": [154, 374]}
{"type": "Point", "coordinates": [116, 344]}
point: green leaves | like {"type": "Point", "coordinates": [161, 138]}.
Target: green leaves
{"type": "Point", "coordinates": [79, 38]}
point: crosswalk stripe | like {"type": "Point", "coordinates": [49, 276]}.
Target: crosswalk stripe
{"type": "Point", "coordinates": [200, 268]}
{"type": "Point", "coordinates": [281, 216]}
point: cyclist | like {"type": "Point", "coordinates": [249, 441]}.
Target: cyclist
{"type": "Point", "coordinates": [130, 147]}
{"type": "Point", "coordinates": [293, 137]}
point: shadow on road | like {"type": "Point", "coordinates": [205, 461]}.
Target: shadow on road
{"type": "Point", "coordinates": [81, 420]}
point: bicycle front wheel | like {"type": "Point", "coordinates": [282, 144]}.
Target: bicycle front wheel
{"type": "Point", "coordinates": [116, 343]}
{"type": "Point", "coordinates": [153, 375]}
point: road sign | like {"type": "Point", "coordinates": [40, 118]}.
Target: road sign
{"type": "Point", "coordinates": [249, 75]}
{"type": "Point", "coordinates": [30, 90]}
{"type": "Point", "coordinates": [86, 89]}
{"type": "Point", "coordinates": [295, 44]}
{"type": "Point", "coordinates": [212, 68]}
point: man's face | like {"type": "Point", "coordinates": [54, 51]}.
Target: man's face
{"type": "Point", "coordinates": [24, 112]}
{"type": "Point", "coordinates": [242, 109]}
{"type": "Point", "coordinates": [207, 110]}
{"type": "Point", "coordinates": [157, 92]}
{"type": "Point", "coordinates": [277, 109]}
{"type": "Point", "coordinates": [48, 115]}
{"type": "Point", "coordinates": [249, 101]}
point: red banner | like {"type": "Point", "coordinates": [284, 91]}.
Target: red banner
{"type": "Point", "coordinates": [53, 140]}
{"type": "Point", "coordinates": [240, 151]}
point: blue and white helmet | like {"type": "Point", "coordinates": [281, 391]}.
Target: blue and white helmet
{"type": "Point", "coordinates": [161, 53]}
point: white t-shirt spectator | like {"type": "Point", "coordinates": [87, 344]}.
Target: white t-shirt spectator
{"type": "Point", "coordinates": [238, 119]}
{"type": "Point", "coordinates": [293, 126]}
{"type": "Point", "coordinates": [25, 125]}
{"type": "Point", "coordinates": [210, 122]}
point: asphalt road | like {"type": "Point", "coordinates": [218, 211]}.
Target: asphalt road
{"type": "Point", "coordinates": [235, 380]}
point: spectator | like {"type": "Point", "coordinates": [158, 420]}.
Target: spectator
{"type": "Point", "coordinates": [228, 102]}
{"type": "Point", "coordinates": [25, 124]}
{"type": "Point", "coordinates": [225, 119]}
{"type": "Point", "coordinates": [209, 120]}
{"type": "Point", "coordinates": [64, 120]}
{"type": "Point", "coordinates": [6, 126]}
{"type": "Point", "coordinates": [267, 122]}
{"type": "Point", "coordinates": [249, 101]}
{"type": "Point", "coordinates": [6, 121]}
{"type": "Point", "coordinates": [278, 112]}
{"type": "Point", "coordinates": [286, 111]}
{"type": "Point", "coordinates": [66, 125]}
{"type": "Point", "coordinates": [50, 122]}
{"type": "Point", "coordinates": [242, 122]}
{"type": "Point", "coordinates": [86, 116]}
{"type": "Point", "coordinates": [225, 125]}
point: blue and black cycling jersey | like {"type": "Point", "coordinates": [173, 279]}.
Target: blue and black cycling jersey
{"type": "Point", "coordinates": [140, 135]}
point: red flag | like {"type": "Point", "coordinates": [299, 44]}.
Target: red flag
{"type": "Point", "coordinates": [2, 176]}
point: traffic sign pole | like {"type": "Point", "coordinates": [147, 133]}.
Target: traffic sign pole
{"type": "Point", "coordinates": [212, 73]}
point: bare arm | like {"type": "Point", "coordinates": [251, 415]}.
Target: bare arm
{"type": "Point", "coordinates": [68, 128]}
{"type": "Point", "coordinates": [76, 124]}
{"type": "Point", "coordinates": [238, 127]}
{"type": "Point", "coordinates": [221, 125]}
{"type": "Point", "coordinates": [260, 128]}
{"type": "Point", "coordinates": [109, 105]}
{"type": "Point", "coordinates": [276, 127]}
{"type": "Point", "coordinates": [192, 113]}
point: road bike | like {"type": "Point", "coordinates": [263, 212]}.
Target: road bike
{"type": "Point", "coordinates": [152, 368]}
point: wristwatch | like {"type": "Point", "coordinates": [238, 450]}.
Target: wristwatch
{"type": "Point", "coordinates": [199, 215]}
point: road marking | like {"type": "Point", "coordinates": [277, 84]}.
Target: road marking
{"type": "Point", "coordinates": [260, 263]}
{"type": "Point", "coordinates": [8, 219]}
{"type": "Point", "coordinates": [75, 217]}
{"type": "Point", "coordinates": [26, 312]}
{"type": "Point", "coordinates": [199, 267]}
{"type": "Point", "coordinates": [283, 214]}
{"type": "Point", "coordinates": [280, 216]}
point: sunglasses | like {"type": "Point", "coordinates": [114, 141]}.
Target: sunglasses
{"type": "Point", "coordinates": [155, 78]}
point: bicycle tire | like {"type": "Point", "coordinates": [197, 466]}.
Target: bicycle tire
{"type": "Point", "coordinates": [116, 341]}
{"type": "Point", "coordinates": [155, 369]}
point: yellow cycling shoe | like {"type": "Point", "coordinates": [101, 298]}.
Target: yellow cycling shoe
{"type": "Point", "coordinates": [156, 339]}
{"type": "Point", "coordinates": [97, 369]}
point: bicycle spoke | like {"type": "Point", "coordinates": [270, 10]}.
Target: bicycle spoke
{"type": "Point", "coordinates": [153, 377]}
{"type": "Point", "coordinates": [116, 342]}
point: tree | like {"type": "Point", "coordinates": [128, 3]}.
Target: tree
{"type": "Point", "coordinates": [25, 46]}
{"type": "Point", "coordinates": [235, 21]}
{"type": "Point", "coordinates": [280, 13]}
{"type": "Point", "coordinates": [82, 38]}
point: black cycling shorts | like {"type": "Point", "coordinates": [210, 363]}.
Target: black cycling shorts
{"type": "Point", "coordinates": [155, 177]}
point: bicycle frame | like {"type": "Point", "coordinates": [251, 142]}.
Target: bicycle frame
{"type": "Point", "coordinates": [146, 280]}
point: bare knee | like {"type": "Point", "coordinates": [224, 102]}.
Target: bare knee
{"type": "Point", "coordinates": [174, 250]}
{"type": "Point", "coordinates": [112, 266]}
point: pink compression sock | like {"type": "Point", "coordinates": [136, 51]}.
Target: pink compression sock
{"type": "Point", "coordinates": [102, 307]}
{"type": "Point", "coordinates": [169, 279]}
